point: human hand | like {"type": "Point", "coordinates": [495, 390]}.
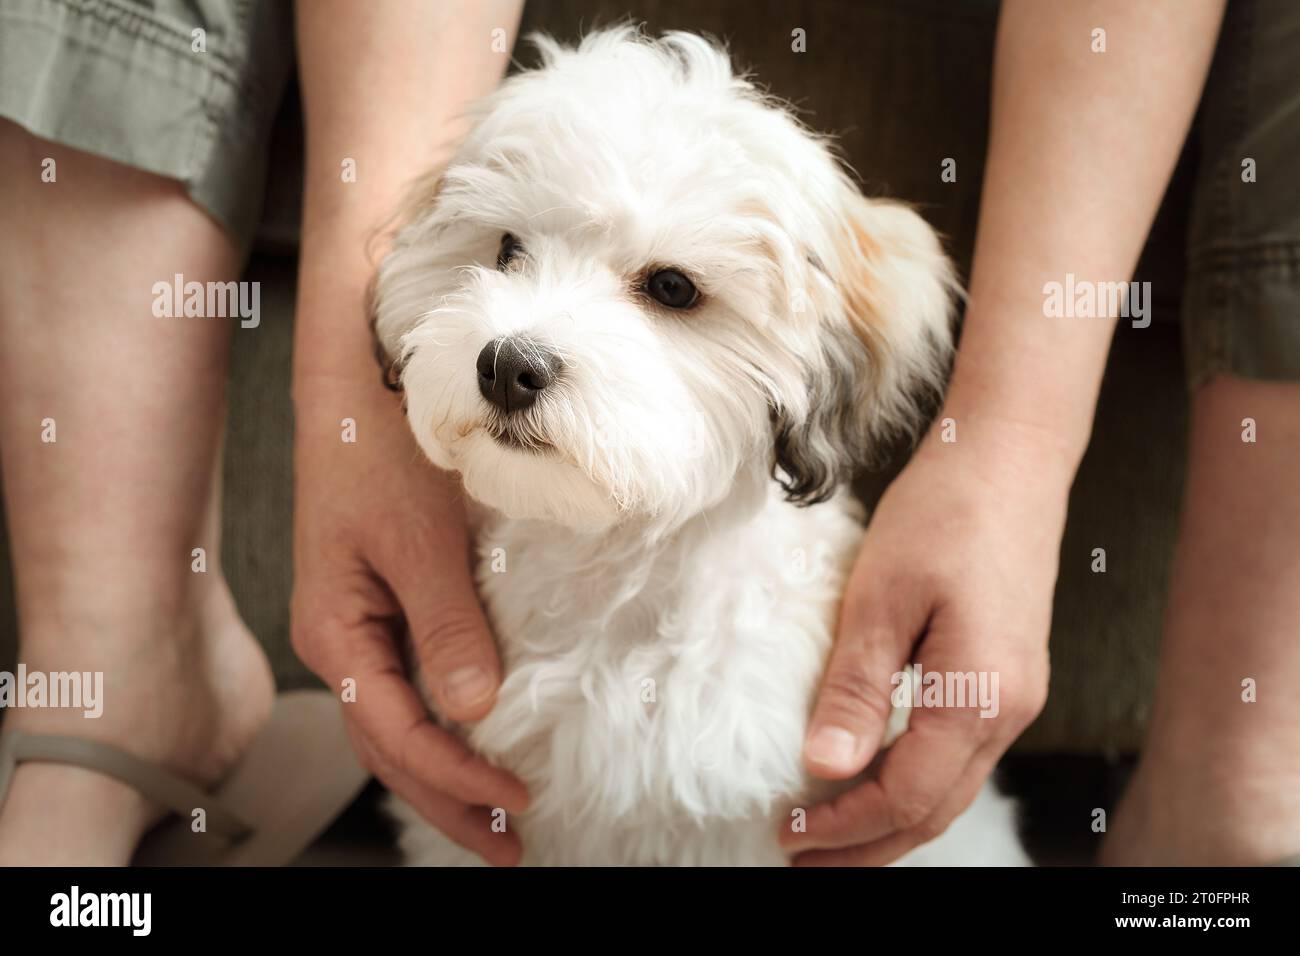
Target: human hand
{"type": "Point", "coordinates": [380, 549]}
{"type": "Point", "coordinates": [956, 573]}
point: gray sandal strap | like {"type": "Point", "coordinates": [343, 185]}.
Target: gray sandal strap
{"type": "Point", "coordinates": [158, 785]}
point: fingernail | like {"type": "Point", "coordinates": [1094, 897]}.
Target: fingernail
{"type": "Point", "coordinates": [832, 747]}
{"type": "Point", "coordinates": [467, 686]}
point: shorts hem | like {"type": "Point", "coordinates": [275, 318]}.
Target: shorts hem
{"type": "Point", "coordinates": [1241, 313]}
{"type": "Point", "coordinates": [117, 83]}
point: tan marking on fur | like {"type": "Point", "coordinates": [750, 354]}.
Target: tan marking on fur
{"type": "Point", "coordinates": [859, 251]}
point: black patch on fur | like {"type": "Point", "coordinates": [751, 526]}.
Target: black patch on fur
{"type": "Point", "coordinates": [390, 370]}
{"type": "Point", "coordinates": [814, 455]}
{"type": "Point", "coordinates": [807, 479]}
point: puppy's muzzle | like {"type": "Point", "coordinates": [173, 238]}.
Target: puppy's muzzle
{"type": "Point", "coordinates": [513, 371]}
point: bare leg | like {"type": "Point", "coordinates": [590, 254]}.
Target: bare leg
{"type": "Point", "coordinates": [103, 520]}
{"type": "Point", "coordinates": [1219, 779]}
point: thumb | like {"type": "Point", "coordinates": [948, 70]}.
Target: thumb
{"type": "Point", "coordinates": [855, 699]}
{"type": "Point", "coordinates": [453, 645]}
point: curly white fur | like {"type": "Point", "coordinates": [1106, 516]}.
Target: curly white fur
{"type": "Point", "coordinates": [664, 606]}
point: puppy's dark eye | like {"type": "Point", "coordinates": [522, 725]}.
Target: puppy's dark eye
{"type": "Point", "coordinates": [509, 251]}
{"type": "Point", "coordinates": [669, 287]}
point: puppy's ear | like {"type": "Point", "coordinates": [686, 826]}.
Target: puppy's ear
{"type": "Point", "coordinates": [393, 296]}
{"type": "Point", "coordinates": [885, 337]}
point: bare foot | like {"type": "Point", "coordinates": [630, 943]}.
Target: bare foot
{"type": "Point", "coordinates": [190, 695]}
{"type": "Point", "coordinates": [1203, 812]}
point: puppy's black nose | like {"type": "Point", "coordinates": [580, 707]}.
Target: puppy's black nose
{"type": "Point", "coordinates": [513, 371]}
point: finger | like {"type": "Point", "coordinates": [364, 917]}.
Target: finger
{"type": "Point", "coordinates": [920, 769]}
{"type": "Point", "coordinates": [853, 704]}
{"type": "Point", "coordinates": [467, 826]}
{"type": "Point", "coordinates": [395, 721]}
{"type": "Point", "coordinates": [396, 724]}
{"type": "Point", "coordinates": [453, 645]}
{"type": "Point", "coordinates": [917, 774]}
{"type": "Point", "coordinates": [895, 845]}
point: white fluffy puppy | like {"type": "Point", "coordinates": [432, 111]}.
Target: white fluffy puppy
{"type": "Point", "coordinates": [650, 321]}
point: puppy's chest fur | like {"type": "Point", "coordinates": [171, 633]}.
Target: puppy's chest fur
{"type": "Point", "coordinates": [656, 698]}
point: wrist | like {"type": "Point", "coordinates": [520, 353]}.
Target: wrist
{"type": "Point", "coordinates": [1043, 419]}
{"type": "Point", "coordinates": [334, 346]}
{"type": "Point", "coordinates": [1028, 380]}
{"type": "Point", "coordinates": [1002, 448]}
{"type": "Point", "coordinates": [321, 373]}
{"type": "Point", "coordinates": [329, 386]}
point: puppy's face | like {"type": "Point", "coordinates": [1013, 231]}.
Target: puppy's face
{"type": "Point", "coordinates": [639, 281]}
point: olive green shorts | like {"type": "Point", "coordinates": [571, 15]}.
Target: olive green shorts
{"type": "Point", "coordinates": [186, 89]}
{"type": "Point", "coordinates": [1241, 301]}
